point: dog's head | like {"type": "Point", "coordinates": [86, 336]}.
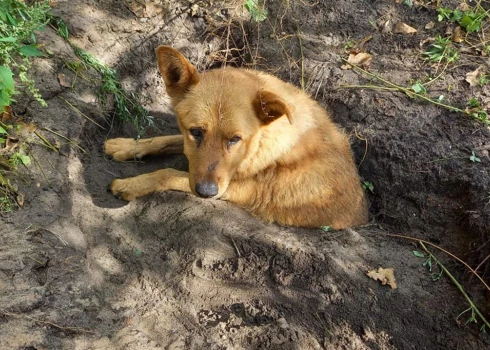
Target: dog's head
{"type": "Point", "coordinates": [219, 112]}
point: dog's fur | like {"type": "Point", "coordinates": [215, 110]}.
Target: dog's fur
{"type": "Point", "coordinates": [253, 140]}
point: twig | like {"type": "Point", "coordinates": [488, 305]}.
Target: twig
{"type": "Point", "coordinates": [73, 329]}
{"type": "Point", "coordinates": [72, 142]}
{"type": "Point", "coordinates": [302, 61]}
{"type": "Point", "coordinates": [80, 112]}
{"type": "Point", "coordinates": [39, 166]}
{"type": "Point", "coordinates": [483, 261]}
{"type": "Point", "coordinates": [458, 285]}
{"type": "Point", "coordinates": [365, 149]}
{"type": "Point", "coordinates": [46, 142]}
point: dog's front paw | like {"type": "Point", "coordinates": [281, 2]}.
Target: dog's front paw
{"type": "Point", "coordinates": [122, 149]}
{"type": "Point", "coordinates": [124, 189]}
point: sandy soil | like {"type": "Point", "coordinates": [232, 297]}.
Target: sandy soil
{"type": "Point", "coordinates": [80, 269]}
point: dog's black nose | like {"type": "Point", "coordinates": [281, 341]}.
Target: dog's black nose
{"type": "Point", "coordinates": [207, 189]}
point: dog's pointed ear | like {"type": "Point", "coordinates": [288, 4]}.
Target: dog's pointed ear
{"type": "Point", "coordinates": [178, 74]}
{"type": "Point", "coordinates": [269, 107]}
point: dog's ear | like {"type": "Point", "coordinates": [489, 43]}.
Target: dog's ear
{"type": "Point", "coordinates": [268, 107]}
{"type": "Point", "coordinates": [178, 74]}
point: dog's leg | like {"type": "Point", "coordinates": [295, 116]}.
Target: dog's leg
{"type": "Point", "coordinates": [157, 181]}
{"type": "Point", "coordinates": [125, 148]}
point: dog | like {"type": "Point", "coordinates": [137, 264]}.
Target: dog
{"type": "Point", "coordinates": [253, 140]}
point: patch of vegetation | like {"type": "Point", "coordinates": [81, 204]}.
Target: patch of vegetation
{"type": "Point", "coordinates": [127, 108]}
{"type": "Point", "coordinates": [12, 155]}
{"type": "Point", "coordinates": [471, 19]}
{"type": "Point", "coordinates": [18, 22]}
{"type": "Point", "coordinates": [474, 20]}
{"type": "Point", "coordinates": [442, 50]}
{"type": "Point", "coordinates": [475, 110]}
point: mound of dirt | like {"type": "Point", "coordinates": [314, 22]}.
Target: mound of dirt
{"type": "Point", "coordinates": [80, 269]}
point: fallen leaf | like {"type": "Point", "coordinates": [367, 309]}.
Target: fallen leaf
{"type": "Point", "coordinates": [27, 127]}
{"type": "Point", "coordinates": [385, 276]}
{"type": "Point", "coordinates": [430, 25]}
{"type": "Point", "coordinates": [63, 80]}
{"type": "Point", "coordinates": [7, 114]}
{"type": "Point", "coordinates": [361, 46]}
{"type": "Point", "coordinates": [403, 28]}
{"type": "Point", "coordinates": [194, 9]}
{"type": "Point", "coordinates": [472, 77]}
{"type": "Point", "coordinates": [361, 59]}
{"type": "Point", "coordinates": [20, 199]}
{"type": "Point", "coordinates": [458, 35]}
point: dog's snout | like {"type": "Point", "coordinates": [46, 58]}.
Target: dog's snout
{"type": "Point", "coordinates": [207, 189]}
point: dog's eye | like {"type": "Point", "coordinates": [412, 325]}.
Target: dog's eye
{"type": "Point", "coordinates": [234, 140]}
{"type": "Point", "coordinates": [196, 132]}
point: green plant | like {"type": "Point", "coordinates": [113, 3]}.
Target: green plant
{"type": "Point", "coordinates": [18, 22]}
{"type": "Point", "coordinates": [441, 50]}
{"type": "Point", "coordinates": [476, 111]}
{"type": "Point", "coordinates": [484, 79]}
{"type": "Point", "coordinates": [17, 159]}
{"type": "Point", "coordinates": [368, 186]}
{"type": "Point", "coordinates": [474, 158]}
{"type": "Point", "coordinates": [257, 10]}
{"type": "Point", "coordinates": [6, 203]}
{"type": "Point", "coordinates": [449, 14]}
{"type": "Point", "coordinates": [419, 88]}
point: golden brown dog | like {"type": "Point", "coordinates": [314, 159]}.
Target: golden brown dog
{"type": "Point", "coordinates": [253, 140]}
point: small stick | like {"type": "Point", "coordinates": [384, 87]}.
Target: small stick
{"type": "Point", "coordinates": [46, 142]}
{"type": "Point", "coordinates": [80, 112]}
{"type": "Point", "coordinates": [72, 142]}
{"type": "Point", "coordinates": [302, 61]}
{"type": "Point", "coordinates": [73, 329]}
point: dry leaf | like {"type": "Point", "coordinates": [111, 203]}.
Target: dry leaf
{"type": "Point", "coordinates": [27, 127]}
{"type": "Point", "coordinates": [143, 8]}
{"type": "Point", "coordinates": [430, 25]}
{"type": "Point", "coordinates": [403, 28]}
{"type": "Point", "coordinates": [63, 80]}
{"type": "Point", "coordinates": [458, 35]}
{"type": "Point", "coordinates": [7, 114]}
{"type": "Point", "coordinates": [472, 77]}
{"type": "Point", "coordinates": [361, 59]}
{"type": "Point", "coordinates": [20, 199]}
{"type": "Point", "coordinates": [385, 276]}
{"type": "Point", "coordinates": [361, 46]}
{"type": "Point", "coordinates": [463, 7]}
